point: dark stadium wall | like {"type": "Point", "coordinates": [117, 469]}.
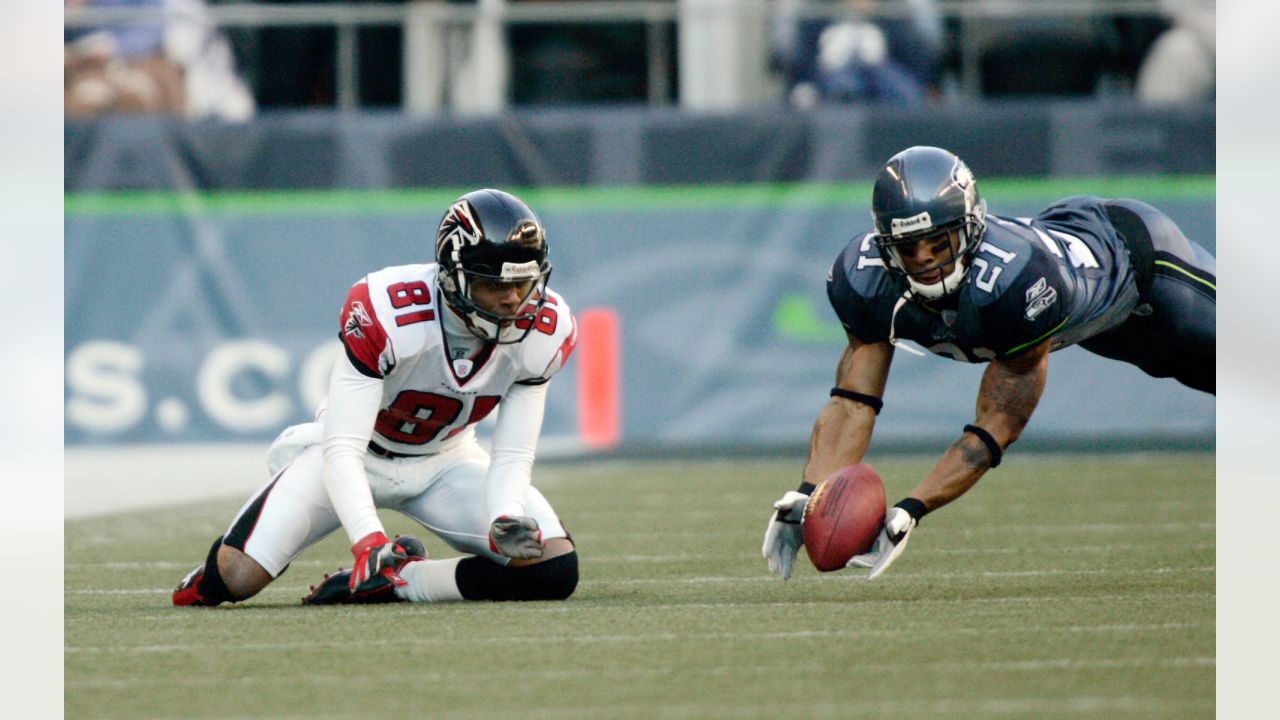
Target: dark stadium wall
{"type": "Point", "coordinates": [600, 148]}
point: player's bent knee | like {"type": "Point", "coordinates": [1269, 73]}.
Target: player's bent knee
{"type": "Point", "coordinates": [551, 579]}
{"type": "Point", "coordinates": [553, 548]}
{"type": "Point", "coordinates": [241, 574]}
{"type": "Point", "coordinates": [558, 580]}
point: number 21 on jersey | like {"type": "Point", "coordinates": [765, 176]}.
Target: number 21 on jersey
{"type": "Point", "coordinates": [985, 273]}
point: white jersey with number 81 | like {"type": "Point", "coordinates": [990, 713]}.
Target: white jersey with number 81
{"type": "Point", "coordinates": [392, 329]}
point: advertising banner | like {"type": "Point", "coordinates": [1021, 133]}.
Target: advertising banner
{"type": "Point", "coordinates": [197, 318]}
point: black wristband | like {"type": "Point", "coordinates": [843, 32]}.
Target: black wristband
{"type": "Point", "coordinates": [993, 447]}
{"type": "Point", "coordinates": [806, 488]}
{"type": "Point", "coordinates": [914, 507]}
{"type": "Point", "coordinates": [870, 401]}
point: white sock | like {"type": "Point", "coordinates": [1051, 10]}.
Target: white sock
{"type": "Point", "coordinates": [430, 581]}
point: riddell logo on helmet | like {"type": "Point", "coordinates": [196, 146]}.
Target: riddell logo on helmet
{"type": "Point", "coordinates": [519, 271]}
{"type": "Point", "coordinates": [902, 226]}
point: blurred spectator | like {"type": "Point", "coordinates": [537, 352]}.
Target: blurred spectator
{"type": "Point", "coordinates": [1180, 65]}
{"type": "Point", "coordinates": [120, 68]}
{"type": "Point", "coordinates": [179, 64]}
{"type": "Point", "coordinates": [858, 57]}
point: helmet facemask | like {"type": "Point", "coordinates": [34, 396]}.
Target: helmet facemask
{"type": "Point", "coordinates": [954, 242]}
{"type": "Point", "coordinates": [458, 288]}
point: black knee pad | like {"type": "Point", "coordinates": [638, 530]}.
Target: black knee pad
{"type": "Point", "coordinates": [482, 579]}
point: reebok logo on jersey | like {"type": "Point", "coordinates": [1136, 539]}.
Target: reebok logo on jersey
{"type": "Point", "coordinates": [1039, 297]}
{"type": "Point", "coordinates": [902, 226]}
{"type": "Point", "coordinates": [357, 318]}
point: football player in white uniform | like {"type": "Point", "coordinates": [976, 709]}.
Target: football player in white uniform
{"type": "Point", "coordinates": [431, 349]}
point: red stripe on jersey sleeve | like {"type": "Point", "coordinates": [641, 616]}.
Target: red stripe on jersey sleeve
{"type": "Point", "coordinates": [361, 332]}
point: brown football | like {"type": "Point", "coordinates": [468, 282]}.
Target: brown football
{"type": "Point", "coordinates": [843, 516]}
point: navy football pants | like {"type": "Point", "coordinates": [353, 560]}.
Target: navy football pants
{"type": "Point", "coordinates": [1173, 332]}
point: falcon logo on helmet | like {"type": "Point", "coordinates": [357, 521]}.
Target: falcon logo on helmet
{"type": "Point", "coordinates": [457, 230]}
{"type": "Point", "coordinates": [493, 236]}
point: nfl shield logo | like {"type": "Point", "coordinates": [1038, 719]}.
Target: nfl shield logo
{"type": "Point", "coordinates": [462, 367]}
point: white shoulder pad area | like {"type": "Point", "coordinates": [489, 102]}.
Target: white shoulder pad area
{"type": "Point", "coordinates": [407, 304]}
{"type": "Point", "coordinates": [549, 344]}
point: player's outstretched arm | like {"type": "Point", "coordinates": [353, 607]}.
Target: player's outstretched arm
{"type": "Point", "coordinates": [842, 431]}
{"type": "Point", "coordinates": [1010, 391]}
{"type": "Point", "coordinates": [840, 438]}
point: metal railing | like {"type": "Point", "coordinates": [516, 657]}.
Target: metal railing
{"type": "Point", "coordinates": [657, 15]}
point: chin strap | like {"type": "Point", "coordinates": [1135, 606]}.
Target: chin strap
{"type": "Point", "coordinates": [893, 337]}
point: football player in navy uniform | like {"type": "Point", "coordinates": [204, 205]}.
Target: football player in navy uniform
{"type": "Point", "coordinates": [431, 349]}
{"type": "Point", "coordinates": [1116, 277]}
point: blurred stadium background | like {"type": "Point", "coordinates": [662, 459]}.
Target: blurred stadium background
{"type": "Point", "coordinates": [232, 167]}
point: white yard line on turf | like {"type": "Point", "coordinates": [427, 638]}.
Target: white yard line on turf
{"type": "Point", "coordinates": [825, 634]}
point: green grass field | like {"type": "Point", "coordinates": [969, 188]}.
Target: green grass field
{"type": "Point", "coordinates": [1065, 586]}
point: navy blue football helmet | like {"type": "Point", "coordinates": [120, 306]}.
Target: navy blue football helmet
{"type": "Point", "coordinates": [495, 236]}
{"type": "Point", "coordinates": [928, 194]}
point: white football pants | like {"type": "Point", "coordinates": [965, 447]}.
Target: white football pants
{"type": "Point", "coordinates": [445, 493]}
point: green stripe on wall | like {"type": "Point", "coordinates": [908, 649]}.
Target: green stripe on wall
{"type": "Point", "coordinates": [649, 197]}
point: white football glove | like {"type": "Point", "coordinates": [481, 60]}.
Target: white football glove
{"type": "Point", "coordinates": [892, 540]}
{"type": "Point", "coordinates": [783, 537]}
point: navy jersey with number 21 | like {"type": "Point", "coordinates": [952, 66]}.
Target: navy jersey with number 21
{"type": "Point", "coordinates": [1064, 275]}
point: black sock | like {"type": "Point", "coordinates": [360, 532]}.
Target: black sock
{"type": "Point", "coordinates": [211, 585]}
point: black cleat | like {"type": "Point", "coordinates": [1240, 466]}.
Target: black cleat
{"type": "Point", "coordinates": [335, 589]}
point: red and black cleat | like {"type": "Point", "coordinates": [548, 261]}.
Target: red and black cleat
{"type": "Point", "coordinates": [188, 591]}
{"type": "Point", "coordinates": [335, 589]}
